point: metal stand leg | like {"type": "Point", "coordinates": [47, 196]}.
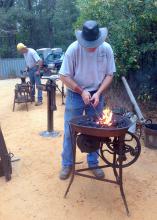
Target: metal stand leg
{"type": "Point", "coordinates": [114, 167]}
{"type": "Point", "coordinates": [62, 92]}
{"type": "Point", "coordinates": [26, 106]}
{"type": "Point", "coordinates": [117, 166]}
{"type": "Point", "coordinates": [121, 144]}
{"type": "Point", "coordinates": [73, 167]}
{"type": "Point", "coordinates": [51, 107]}
{"type": "Point", "coordinates": [14, 105]}
{"type": "Point", "coordinates": [63, 95]}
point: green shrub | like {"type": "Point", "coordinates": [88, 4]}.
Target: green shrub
{"type": "Point", "coordinates": [132, 28]}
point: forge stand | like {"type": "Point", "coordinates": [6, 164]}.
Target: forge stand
{"type": "Point", "coordinates": [23, 91]}
{"type": "Point", "coordinates": [123, 155]}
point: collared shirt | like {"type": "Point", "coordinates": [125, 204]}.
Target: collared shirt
{"type": "Point", "coordinates": [88, 69]}
{"type": "Point", "coordinates": [31, 57]}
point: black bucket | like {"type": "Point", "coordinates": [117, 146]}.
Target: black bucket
{"type": "Point", "coordinates": [150, 137]}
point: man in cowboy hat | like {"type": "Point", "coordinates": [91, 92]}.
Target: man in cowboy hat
{"type": "Point", "coordinates": [87, 71]}
{"type": "Point", "coordinates": [33, 63]}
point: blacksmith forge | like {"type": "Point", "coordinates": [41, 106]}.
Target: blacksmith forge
{"type": "Point", "coordinates": [113, 143]}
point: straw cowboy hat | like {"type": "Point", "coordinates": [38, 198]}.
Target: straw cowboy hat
{"type": "Point", "coordinates": [20, 46]}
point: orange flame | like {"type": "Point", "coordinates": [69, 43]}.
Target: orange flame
{"type": "Point", "coordinates": [106, 118]}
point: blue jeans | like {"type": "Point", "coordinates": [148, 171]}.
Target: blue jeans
{"type": "Point", "coordinates": [35, 80]}
{"type": "Point", "coordinates": [75, 107]}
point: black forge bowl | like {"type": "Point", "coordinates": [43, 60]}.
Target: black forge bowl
{"type": "Point", "coordinates": [87, 125]}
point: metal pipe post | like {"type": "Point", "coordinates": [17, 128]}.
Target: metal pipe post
{"type": "Point", "coordinates": [133, 100]}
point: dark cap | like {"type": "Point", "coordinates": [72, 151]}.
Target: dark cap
{"type": "Point", "coordinates": [91, 35]}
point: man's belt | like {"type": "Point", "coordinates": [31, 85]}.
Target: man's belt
{"type": "Point", "coordinates": [30, 68]}
{"type": "Point", "coordinates": [92, 92]}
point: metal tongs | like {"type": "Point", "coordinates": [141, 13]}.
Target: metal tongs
{"type": "Point", "coordinates": [98, 115]}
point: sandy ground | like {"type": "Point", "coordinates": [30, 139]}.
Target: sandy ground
{"type": "Point", "coordinates": [35, 191]}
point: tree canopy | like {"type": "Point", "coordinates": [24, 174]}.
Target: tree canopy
{"type": "Point", "coordinates": [37, 23]}
{"type": "Point", "coordinates": [132, 33]}
{"type": "Point", "coordinates": [131, 27]}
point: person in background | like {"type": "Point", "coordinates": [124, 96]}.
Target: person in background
{"type": "Point", "coordinates": [33, 65]}
{"type": "Point", "coordinates": [87, 71]}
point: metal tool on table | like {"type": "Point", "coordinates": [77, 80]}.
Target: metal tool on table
{"type": "Point", "coordinates": [55, 78]}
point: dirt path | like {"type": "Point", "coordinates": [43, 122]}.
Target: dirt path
{"type": "Point", "coordinates": [35, 191]}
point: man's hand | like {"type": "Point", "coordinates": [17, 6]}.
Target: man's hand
{"type": "Point", "coordinates": [105, 84]}
{"type": "Point", "coordinates": [86, 97]}
{"type": "Point", "coordinates": [26, 69]}
{"type": "Point", "coordinates": [95, 99]}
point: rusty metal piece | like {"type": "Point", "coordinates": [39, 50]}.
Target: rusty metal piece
{"type": "Point", "coordinates": [23, 94]}
{"type": "Point", "coordinates": [5, 160]}
{"type": "Point", "coordinates": [130, 153]}
{"type": "Point", "coordinates": [150, 137]}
